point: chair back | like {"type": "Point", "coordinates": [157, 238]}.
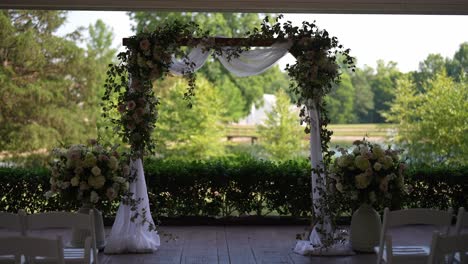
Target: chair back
{"type": "Point", "coordinates": [65, 220]}
{"type": "Point", "coordinates": [462, 220]}
{"type": "Point", "coordinates": [416, 216]}
{"type": "Point", "coordinates": [13, 222]}
{"type": "Point", "coordinates": [444, 246]}
{"type": "Point", "coordinates": [413, 216]}
{"type": "Point", "coordinates": [58, 220]}
{"type": "Point", "coordinates": [52, 249]}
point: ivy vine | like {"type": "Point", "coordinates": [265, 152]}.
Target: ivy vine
{"type": "Point", "coordinates": [131, 105]}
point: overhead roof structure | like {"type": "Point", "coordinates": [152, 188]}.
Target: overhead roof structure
{"type": "Point", "coordinates": [439, 7]}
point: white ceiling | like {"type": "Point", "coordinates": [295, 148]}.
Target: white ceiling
{"type": "Point", "coordinates": [441, 7]}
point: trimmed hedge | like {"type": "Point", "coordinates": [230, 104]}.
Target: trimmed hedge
{"type": "Point", "coordinates": [230, 187]}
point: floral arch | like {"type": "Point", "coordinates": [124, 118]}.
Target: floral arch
{"type": "Point", "coordinates": [131, 105]}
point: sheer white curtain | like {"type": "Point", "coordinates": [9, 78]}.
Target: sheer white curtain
{"type": "Point", "coordinates": [128, 236]}
{"type": "Point", "coordinates": [133, 236]}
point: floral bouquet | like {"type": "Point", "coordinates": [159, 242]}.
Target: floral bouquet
{"type": "Point", "coordinates": [368, 173]}
{"type": "Point", "coordinates": [89, 174]}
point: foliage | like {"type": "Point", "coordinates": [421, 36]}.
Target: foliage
{"type": "Point", "coordinates": [436, 187]}
{"type": "Point", "coordinates": [456, 67]}
{"type": "Point", "coordinates": [49, 84]}
{"type": "Point", "coordinates": [368, 174]}
{"type": "Point", "coordinates": [231, 187]}
{"type": "Point", "coordinates": [340, 101]}
{"type": "Point", "coordinates": [89, 174]}
{"type": "Point", "coordinates": [432, 123]}
{"type": "Point", "coordinates": [281, 136]}
{"type": "Point", "coordinates": [189, 133]}
{"type": "Point", "coordinates": [383, 87]}
{"type": "Point", "coordinates": [147, 58]}
{"type": "Point", "coordinates": [237, 94]}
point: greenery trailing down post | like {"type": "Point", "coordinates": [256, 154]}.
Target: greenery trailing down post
{"type": "Point", "coordinates": [312, 77]}
{"type": "Point", "coordinates": [149, 57]}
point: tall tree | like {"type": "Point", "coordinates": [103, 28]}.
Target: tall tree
{"type": "Point", "coordinates": [190, 133]}
{"type": "Point", "coordinates": [340, 102]}
{"type": "Point", "coordinates": [238, 94]}
{"type": "Point", "coordinates": [46, 93]}
{"type": "Point", "coordinates": [432, 123]}
{"type": "Point", "coordinates": [383, 86]}
{"type": "Point", "coordinates": [457, 68]}
{"type": "Point", "coordinates": [100, 54]}
{"type": "Point", "coordinates": [281, 136]}
{"type": "Point", "coordinates": [363, 95]}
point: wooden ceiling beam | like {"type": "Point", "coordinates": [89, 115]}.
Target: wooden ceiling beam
{"type": "Point", "coordinates": [440, 7]}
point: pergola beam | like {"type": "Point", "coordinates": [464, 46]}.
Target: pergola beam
{"type": "Point", "coordinates": [223, 42]}
{"type": "Point", "coordinates": [440, 7]}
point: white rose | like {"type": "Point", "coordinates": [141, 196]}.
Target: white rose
{"type": "Point", "coordinates": [363, 149]}
{"type": "Point", "coordinates": [113, 163]}
{"type": "Point", "coordinates": [96, 171]}
{"type": "Point", "coordinates": [75, 181]}
{"type": "Point", "coordinates": [94, 197]}
{"type": "Point", "coordinates": [356, 151]}
{"type": "Point", "coordinates": [377, 166]}
{"type": "Point", "coordinates": [339, 187]}
{"type": "Point", "coordinates": [49, 194]}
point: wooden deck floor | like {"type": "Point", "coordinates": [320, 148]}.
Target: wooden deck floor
{"type": "Point", "coordinates": [247, 245]}
{"type": "Point", "coordinates": [241, 245]}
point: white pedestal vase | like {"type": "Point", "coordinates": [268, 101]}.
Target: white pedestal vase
{"type": "Point", "coordinates": [79, 235]}
{"type": "Point", "coordinates": [365, 229]}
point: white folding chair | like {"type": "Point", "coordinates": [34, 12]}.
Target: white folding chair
{"type": "Point", "coordinates": [85, 255]}
{"type": "Point", "coordinates": [387, 253]}
{"type": "Point", "coordinates": [13, 223]}
{"type": "Point", "coordinates": [32, 247]}
{"type": "Point", "coordinates": [462, 220]}
{"type": "Point", "coordinates": [443, 247]}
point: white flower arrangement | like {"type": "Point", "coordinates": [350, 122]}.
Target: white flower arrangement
{"type": "Point", "coordinates": [368, 173]}
{"type": "Point", "coordinates": [88, 173]}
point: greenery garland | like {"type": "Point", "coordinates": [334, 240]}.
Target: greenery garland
{"type": "Point", "coordinates": [312, 77]}
{"type": "Point", "coordinates": [132, 105]}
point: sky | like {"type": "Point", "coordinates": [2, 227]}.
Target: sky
{"type": "Point", "coordinates": [404, 39]}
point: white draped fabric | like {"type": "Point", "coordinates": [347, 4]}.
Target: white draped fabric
{"type": "Point", "coordinates": [128, 236]}
{"type": "Point", "coordinates": [313, 246]}
{"type": "Point", "coordinates": [133, 236]}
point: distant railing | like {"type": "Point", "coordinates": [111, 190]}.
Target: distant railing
{"type": "Point", "coordinates": [241, 132]}
{"type": "Point", "coordinates": [342, 132]}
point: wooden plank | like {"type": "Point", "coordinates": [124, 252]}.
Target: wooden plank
{"type": "Point", "coordinates": [221, 42]}
{"type": "Point", "coordinates": [446, 7]}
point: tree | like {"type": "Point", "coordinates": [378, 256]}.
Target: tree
{"type": "Point", "coordinates": [383, 87]}
{"type": "Point", "coordinates": [99, 55]}
{"type": "Point", "coordinates": [457, 68]}
{"type": "Point", "coordinates": [363, 95]}
{"type": "Point", "coordinates": [432, 123]}
{"type": "Point", "coordinates": [190, 133]}
{"type": "Point", "coordinates": [51, 88]}
{"type": "Point", "coordinates": [237, 94]}
{"type": "Point", "coordinates": [46, 94]}
{"type": "Point", "coordinates": [281, 136]}
{"type": "Point", "coordinates": [340, 102]}
{"type": "Point", "coordinates": [403, 111]}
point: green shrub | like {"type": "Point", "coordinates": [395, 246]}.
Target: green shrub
{"type": "Point", "coordinates": [231, 187]}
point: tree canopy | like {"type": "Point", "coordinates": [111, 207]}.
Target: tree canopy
{"type": "Point", "coordinates": [48, 83]}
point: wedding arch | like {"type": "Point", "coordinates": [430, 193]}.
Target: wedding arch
{"type": "Point", "coordinates": [181, 49]}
